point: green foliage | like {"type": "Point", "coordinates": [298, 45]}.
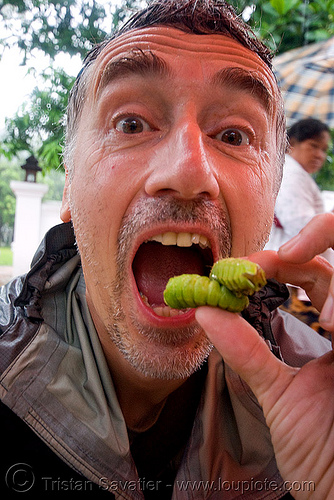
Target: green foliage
{"type": "Point", "coordinates": [124, 10]}
{"type": "Point", "coordinates": [38, 125]}
{"type": "Point", "coordinates": [284, 6]}
{"type": "Point", "coordinates": [70, 26]}
{"type": "Point", "coordinates": [8, 172]}
{"type": "Point", "coordinates": [55, 180]}
{"type": "Point", "coordinates": [287, 24]}
{"type": "Point", "coordinates": [6, 256]}
{"type": "Point", "coordinates": [50, 26]}
{"type": "Point", "coordinates": [325, 177]}
{"type": "Point", "coordinates": [11, 171]}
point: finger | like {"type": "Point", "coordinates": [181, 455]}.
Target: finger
{"type": "Point", "coordinates": [326, 317]}
{"type": "Point", "coordinates": [313, 239]}
{"type": "Point", "coordinates": [313, 276]}
{"type": "Point", "coordinates": [244, 351]}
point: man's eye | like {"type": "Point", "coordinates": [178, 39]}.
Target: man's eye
{"type": "Point", "coordinates": [132, 125]}
{"type": "Point", "coordinates": [232, 136]}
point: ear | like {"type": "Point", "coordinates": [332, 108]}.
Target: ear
{"type": "Point", "coordinates": [293, 141]}
{"type": "Point", "coordinates": [65, 212]}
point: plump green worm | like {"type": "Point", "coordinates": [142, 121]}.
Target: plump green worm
{"type": "Point", "coordinates": [230, 282]}
{"type": "Point", "coordinates": [241, 276]}
{"type": "Point", "coordinates": [193, 290]}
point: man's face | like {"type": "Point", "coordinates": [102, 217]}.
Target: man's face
{"type": "Point", "coordinates": [174, 167]}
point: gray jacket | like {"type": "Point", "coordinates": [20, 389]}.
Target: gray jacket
{"type": "Point", "coordinates": [54, 377]}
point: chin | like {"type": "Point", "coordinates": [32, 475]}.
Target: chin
{"type": "Point", "coordinates": [163, 354]}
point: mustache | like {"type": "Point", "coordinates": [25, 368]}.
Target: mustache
{"type": "Point", "coordinates": [149, 211]}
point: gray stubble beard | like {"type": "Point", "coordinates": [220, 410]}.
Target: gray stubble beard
{"type": "Point", "coordinates": [157, 352]}
{"type": "Point", "coordinates": [176, 353]}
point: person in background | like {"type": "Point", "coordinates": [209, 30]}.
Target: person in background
{"type": "Point", "coordinates": [299, 198]}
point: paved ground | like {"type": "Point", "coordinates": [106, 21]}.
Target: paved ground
{"type": "Point", "coordinates": [6, 274]}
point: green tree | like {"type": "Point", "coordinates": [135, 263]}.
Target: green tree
{"type": "Point", "coordinates": [287, 24]}
{"type": "Point", "coordinates": [11, 170]}
{"type": "Point", "coordinates": [8, 172]}
{"type": "Point", "coordinates": [51, 27]}
{"type": "Point", "coordinates": [325, 177]}
{"type": "Point", "coordinates": [38, 124]}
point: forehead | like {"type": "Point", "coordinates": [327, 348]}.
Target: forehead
{"type": "Point", "coordinates": [322, 138]}
{"type": "Point", "coordinates": [210, 53]}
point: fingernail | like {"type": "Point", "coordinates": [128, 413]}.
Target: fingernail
{"type": "Point", "coordinates": [327, 312]}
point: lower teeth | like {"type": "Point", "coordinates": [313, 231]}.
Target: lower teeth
{"type": "Point", "coordinates": [168, 311]}
{"type": "Point", "coordinates": [164, 311]}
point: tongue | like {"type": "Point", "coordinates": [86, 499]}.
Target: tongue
{"type": "Point", "coordinates": [154, 264]}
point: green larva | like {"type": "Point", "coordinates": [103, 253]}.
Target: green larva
{"type": "Point", "coordinates": [239, 275]}
{"type": "Point", "coordinates": [230, 282]}
{"type": "Point", "coordinates": [193, 290]}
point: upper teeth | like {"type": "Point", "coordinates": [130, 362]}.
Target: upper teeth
{"type": "Point", "coordinates": [181, 239]}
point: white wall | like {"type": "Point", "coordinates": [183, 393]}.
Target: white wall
{"type": "Point", "coordinates": [32, 219]}
{"type": "Point", "coordinates": [50, 217]}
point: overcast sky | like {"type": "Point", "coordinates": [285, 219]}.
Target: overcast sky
{"type": "Point", "coordinates": [16, 84]}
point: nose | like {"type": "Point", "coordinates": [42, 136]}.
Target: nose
{"type": "Point", "coordinates": [322, 155]}
{"type": "Point", "coordinates": [181, 165]}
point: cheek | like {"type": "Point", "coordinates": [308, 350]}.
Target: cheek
{"type": "Point", "coordinates": [99, 176]}
{"type": "Point", "coordinates": [105, 184]}
{"type": "Point", "coordinates": [250, 202]}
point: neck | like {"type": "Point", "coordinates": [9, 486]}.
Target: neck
{"type": "Point", "coordinates": [141, 398]}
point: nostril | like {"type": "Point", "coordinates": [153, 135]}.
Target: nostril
{"type": "Point", "coordinates": [188, 184]}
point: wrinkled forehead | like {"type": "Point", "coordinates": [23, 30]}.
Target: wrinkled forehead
{"type": "Point", "coordinates": [220, 50]}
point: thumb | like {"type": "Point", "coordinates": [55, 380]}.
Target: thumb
{"type": "Point", "coordinates": [245, 352]}
{"type": "Point", "coordinates": [315, 238]}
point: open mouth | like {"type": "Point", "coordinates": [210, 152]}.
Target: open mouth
{"type": "Point", "coordinates": [166, 255]}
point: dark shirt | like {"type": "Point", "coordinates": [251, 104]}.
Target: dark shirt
{"type": "Point", "coordinates": [158, 451]}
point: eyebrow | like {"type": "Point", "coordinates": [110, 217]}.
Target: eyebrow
{"type": "Point", "coordinates": [245, 80]}
{"type": "Point", "coordinates": [137, 62]}
{"type": "Point", "coordinates": [147, 63]}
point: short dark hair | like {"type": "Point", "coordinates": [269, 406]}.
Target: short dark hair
{"type": "Point", "coordinates": [309, 128]}
{"type": "Point", "coordinates": [200, 17]}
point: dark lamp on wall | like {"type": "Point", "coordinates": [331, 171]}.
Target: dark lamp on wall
{"type": "Point", "coordinates": [31, 168]}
